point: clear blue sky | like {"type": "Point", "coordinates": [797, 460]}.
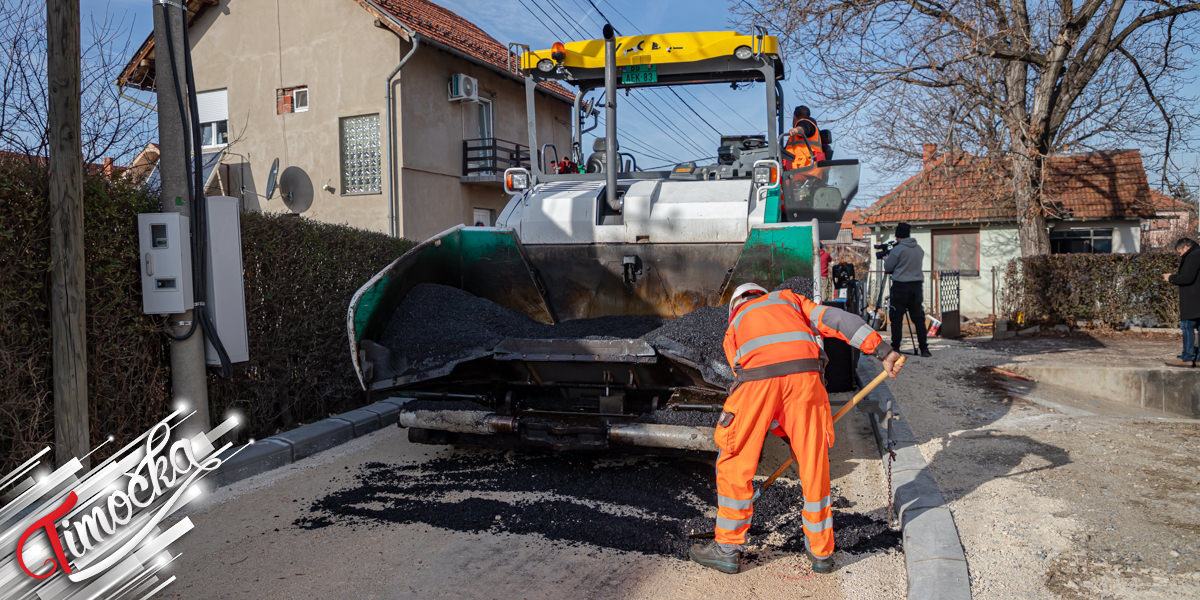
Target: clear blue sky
{"type": "Point", "coordinates": [684, 136]}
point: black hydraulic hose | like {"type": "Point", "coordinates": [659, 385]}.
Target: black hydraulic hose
{"type": "Point", "coordinates": [194, 184]}
{"type": "Point", "coordinates": [187, 137]}
{"type": "Point", "coordinates": [201, 210]}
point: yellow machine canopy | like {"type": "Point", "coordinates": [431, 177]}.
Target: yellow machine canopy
{"type": "Point", "coordinates": [660, 59]}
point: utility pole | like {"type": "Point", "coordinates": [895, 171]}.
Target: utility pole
{"type": "Point", "coordinates": [189, 378]}
{"type": "Point", "coordinates": [67, 303]}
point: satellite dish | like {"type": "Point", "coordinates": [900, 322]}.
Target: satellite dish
{"type": "Point", "coordinates": [271, 178]}
{"type": "Point", "coordinates": [296, 189]}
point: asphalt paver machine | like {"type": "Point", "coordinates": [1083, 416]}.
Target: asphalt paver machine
{"type": "Point", "coordinates": [604, 238]}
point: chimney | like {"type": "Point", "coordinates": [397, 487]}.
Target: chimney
{"type": "Point", "coordinates": [108, 167]}
{"type": "Point", "coordinates": [928, 155]}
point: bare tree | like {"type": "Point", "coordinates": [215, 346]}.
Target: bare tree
{"type": "Point", "coordinates": [1007, 78]}
{"type": "Point", "coordinates": [111, 126]}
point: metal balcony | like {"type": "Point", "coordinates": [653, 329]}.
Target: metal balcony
{"type": "Point", "coordinates": [485, 159]}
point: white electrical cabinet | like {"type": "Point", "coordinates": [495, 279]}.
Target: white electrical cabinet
{"type": "Point", "coordinates": [166, 263]}
{"type": "Point", "coordinates": [226, 298]}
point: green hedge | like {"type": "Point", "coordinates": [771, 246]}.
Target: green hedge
{"type": "Point", "coordinates": [299, 277]}
{"type": "Point", "coordinates": [127, 363]}
{"type": "Point", "coordinates": [1112, 289]}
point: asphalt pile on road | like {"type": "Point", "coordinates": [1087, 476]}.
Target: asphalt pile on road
{"type": "Point", "coordinates": [647, 505]}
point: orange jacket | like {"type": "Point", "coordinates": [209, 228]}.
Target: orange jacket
{"type": "Point", "coordinates": [804, 151]}
{"type": "Point", "coordinates": [781, 327]}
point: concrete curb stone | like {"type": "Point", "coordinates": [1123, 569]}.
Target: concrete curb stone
{"type": "Point", "coordinates": [388, 412]}
{"type": "Point", "coordinates": [252, 459]}
{"type": "Point", "coordinates": [933, 552]}
{"type": "Point", "coordinates": [310, 439]}
{"type": "Point", "coordinates": [363, 421]}
{"type": "Point", "coordinates": [304, 441]}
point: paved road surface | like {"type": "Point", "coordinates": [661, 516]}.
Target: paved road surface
{"type": "Point", "coordinates": [382, 518]}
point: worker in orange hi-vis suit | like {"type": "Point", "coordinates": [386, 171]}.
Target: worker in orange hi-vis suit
{"type": "Point", "coordinates": [771, 343]}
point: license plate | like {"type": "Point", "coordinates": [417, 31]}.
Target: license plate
{"type": "Point", "coordinates": [639, 74]}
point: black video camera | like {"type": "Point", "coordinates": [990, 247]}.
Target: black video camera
{"type": "Point", "coordinates": [882, 250]}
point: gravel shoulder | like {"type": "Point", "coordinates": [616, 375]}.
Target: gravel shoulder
{"type": "Point", "coordinates": [1050, 505]}
{"type": "Point", "coordinates": [372, 519]}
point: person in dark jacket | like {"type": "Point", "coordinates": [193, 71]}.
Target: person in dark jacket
{"type": "Point", "coordinates": [1188, 280]}
{"type": "Point", "coordinates": [904, 264]}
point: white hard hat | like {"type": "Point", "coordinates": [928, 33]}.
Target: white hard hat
{"type": "Point", "coordinates": [742, 290]}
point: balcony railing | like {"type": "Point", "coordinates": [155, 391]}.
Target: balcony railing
{"type": "Point", "coordinates": [487, 158]}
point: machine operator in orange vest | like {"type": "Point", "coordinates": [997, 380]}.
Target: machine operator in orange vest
{"type": "Point", "coordinates": [804, 141]}
{"type": "Point", "coordinates": [771, 343]}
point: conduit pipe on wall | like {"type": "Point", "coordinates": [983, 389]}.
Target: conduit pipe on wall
{"type": "Point", "coordinates": [390, 117]}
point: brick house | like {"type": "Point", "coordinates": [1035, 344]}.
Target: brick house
{"type": "Point", "coordinates": [963, 214]}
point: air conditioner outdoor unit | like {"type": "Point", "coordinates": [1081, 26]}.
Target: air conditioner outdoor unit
{"type": "Point", "coordinates": [463, 87]}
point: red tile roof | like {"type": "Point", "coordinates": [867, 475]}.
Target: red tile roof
{"type": "Point", "coordinates": [435, 23]}
{"type": "Point", "coordinates": [1166, 203]}
{"type": "Point", "coordinates": [446, 27]}
{"type": "Point", "coordinates": [966, 189]}
{"type": "Point", "coordinates": [850, 220]}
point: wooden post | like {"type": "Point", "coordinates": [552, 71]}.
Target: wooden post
{"type": "Point", "coordinates": [67, 304]}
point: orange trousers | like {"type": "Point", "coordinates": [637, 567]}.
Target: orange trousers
{"type": "Point", "coordinates": [800, 406]}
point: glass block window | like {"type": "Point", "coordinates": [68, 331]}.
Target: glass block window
{"type": "Point", "coordinates": [361, 171]}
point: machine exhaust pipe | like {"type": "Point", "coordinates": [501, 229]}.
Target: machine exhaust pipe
{"type": "Point", "coordinates": [482, 422]}
{"type": "Point", "coordinates": [459, 421]}
{"type": "Point", "coordinates": [663, 436]}
{"type": "Point", "coordinates": [611, 160]}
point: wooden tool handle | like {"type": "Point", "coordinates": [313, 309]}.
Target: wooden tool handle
{"type": "Point", "coordinates": [841, 413]}
{"type": "Point", "coordinates": [866, 390]}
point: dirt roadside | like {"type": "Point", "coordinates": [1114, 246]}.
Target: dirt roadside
{"type": "Point", "coordinates": [1049, 505]}
{"type": "Point", "coordinates": [382, 518]}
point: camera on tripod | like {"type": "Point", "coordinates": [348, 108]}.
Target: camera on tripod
{"type": "Point", "coordinates": [882, 250]}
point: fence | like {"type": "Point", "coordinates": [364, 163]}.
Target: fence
{"type": "Point", "coordinates": [940, 289]}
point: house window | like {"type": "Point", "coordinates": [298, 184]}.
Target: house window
{"type": "Point", "coordinates": [956, 250]}
{"type": "Point", "coordinates": [1081, 241]}
{"type": "Point", "coordinates": [477, 125]}
{"type": "Point", "coordinates": [482, 217]}
{"type": "Point", "coordinates": [293, 99]}
{"type": "Point", "coordinates": [213, 113]}
{"type": "Point", "coordinates": [360, 156]}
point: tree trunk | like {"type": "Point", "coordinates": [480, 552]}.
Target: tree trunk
{"type": "Point", "coordinates": [1027, 189]}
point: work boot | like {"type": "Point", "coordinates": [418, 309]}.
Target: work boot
{"type": "Point", "coordinates": [820, 565]}
{"type": "Point", "coordinates": [712, 555]}
{"type": "Point", "coordinates": [925, 353]}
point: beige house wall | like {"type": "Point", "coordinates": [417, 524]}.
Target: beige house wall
{"type": "Point", "coordinates": [254, 48]}
{"type": "Point", "coordinates": [332, 46]}
{"type": "Point", "coordinates": [433, 130]}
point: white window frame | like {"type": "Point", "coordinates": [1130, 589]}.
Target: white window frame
{"type": "Point", "coordinates": [213, 140]}
{"type": "Point", "coordinates": [213, 109]}
{"type": "Point", "coordinates": [296, 92]}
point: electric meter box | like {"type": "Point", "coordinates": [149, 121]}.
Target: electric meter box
{"type": "Point", "coordinates": [166, 263]}
{"type": "Point", "coordinates": [226, 297]}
